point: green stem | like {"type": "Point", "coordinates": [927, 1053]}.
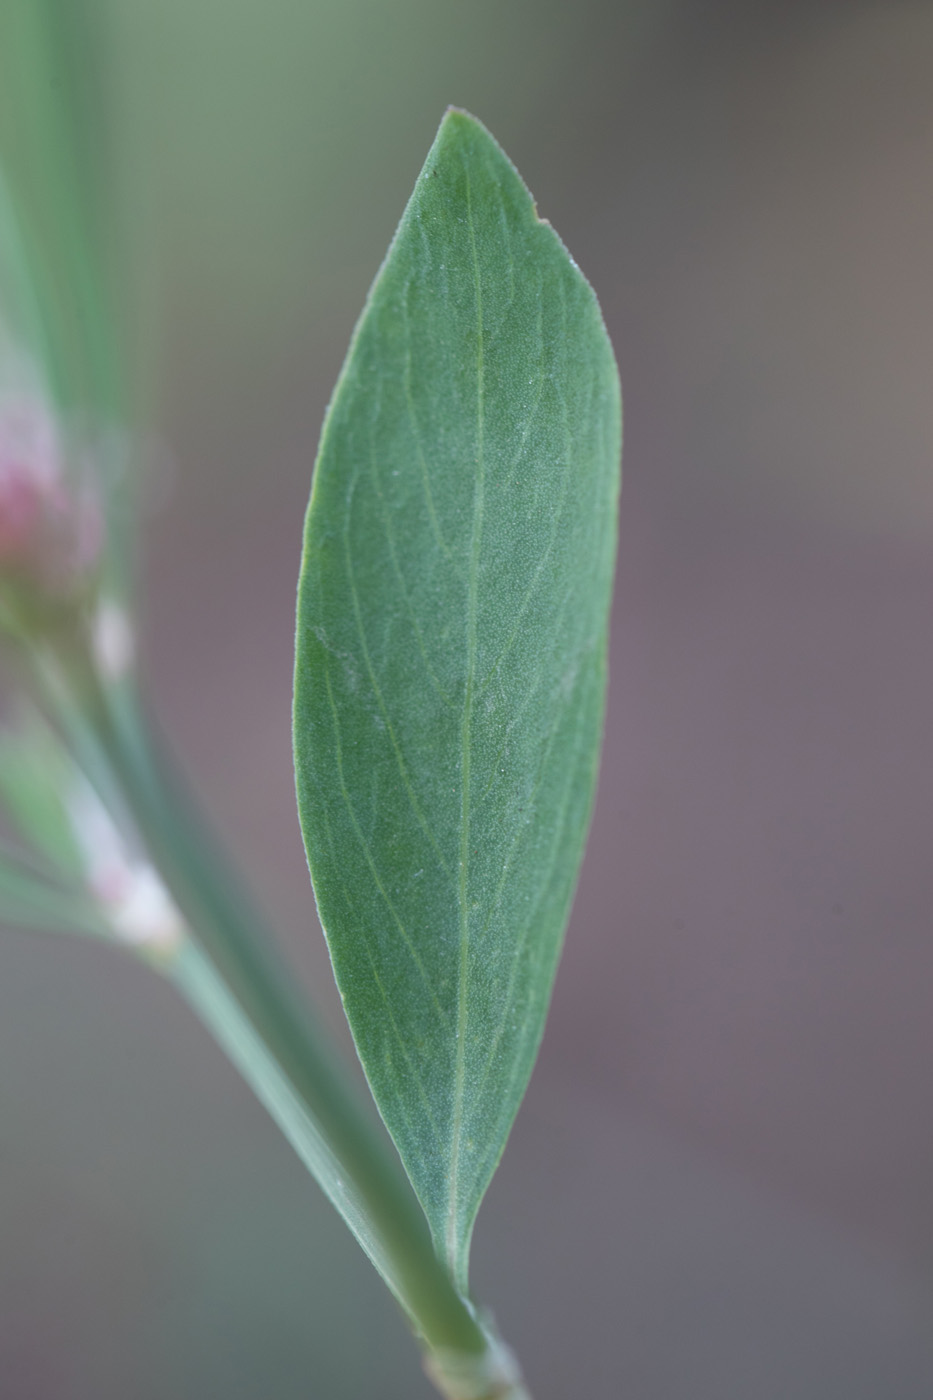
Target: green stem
{"type": "Point", "coordinates": [204, 989]}
{"type": "Point", "coordinates": [229, 973]}
{"type": "Point", "coordinates": [458, 1375]}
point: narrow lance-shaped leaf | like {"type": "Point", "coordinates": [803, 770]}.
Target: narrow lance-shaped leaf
{"type": "Point", "coordinates": [451, 650]}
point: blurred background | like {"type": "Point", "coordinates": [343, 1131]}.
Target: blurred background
{"type": "Point", "coordinates": [721, 1184]}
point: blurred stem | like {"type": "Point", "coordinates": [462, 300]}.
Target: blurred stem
{"type": "Point", "coordinates": [230, 974]}
{"type": "Point", "coordinates": [51, 74]}
{"type": "Point", "coordinates": [31, 899]}
{"type": "Point", "coordinates": [205, 990]}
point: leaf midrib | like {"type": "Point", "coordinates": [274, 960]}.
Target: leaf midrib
{"type": "Point", "coordinates": [465, 741]}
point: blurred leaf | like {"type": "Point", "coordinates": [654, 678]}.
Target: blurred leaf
{"type": "Point", "coordinates": [34, 773]}
{"type": "Point", "coordinates": [21, 325]}
{"type": "Point", "coordinates": [451, 658]}
{"type": "Point", "coordinates": [52, 140]}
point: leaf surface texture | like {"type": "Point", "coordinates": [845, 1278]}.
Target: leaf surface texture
{"type": "Point", "coordinates": [450, 669]}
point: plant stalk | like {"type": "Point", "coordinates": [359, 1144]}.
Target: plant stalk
{"type": "Point", "coordinates": [457, 1375]}
{"type": "Point", "coordinates": [227, 969]}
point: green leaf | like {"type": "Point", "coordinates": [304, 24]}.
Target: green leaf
{"type": "Point", "coordinates": [451, 658]}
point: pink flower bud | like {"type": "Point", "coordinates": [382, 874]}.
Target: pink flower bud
{"type": "Point", "coordinates": [51, 529]}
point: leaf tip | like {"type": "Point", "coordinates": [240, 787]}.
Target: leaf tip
{"type": "Point", "coordinates": [457, 121]}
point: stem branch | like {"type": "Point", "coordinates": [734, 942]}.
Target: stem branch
{"type": "Point", "coordinates": [228, 971]}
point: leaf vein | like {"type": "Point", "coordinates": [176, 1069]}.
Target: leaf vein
{"type": "Point", "coordinates": [505, 1097]}
{"type": "Point", "coordinates": [377, 691]}
{"type": "Point", "coordinates": [367, 853]}
{"type": "Point", "coordinates": [466, 740]}
{"type": "Point", "coordinates": [419, 447]}
{"type": "Point", "coordinates": [360, 924]}
{"type": "Point", "coordinates": [397, 570]}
